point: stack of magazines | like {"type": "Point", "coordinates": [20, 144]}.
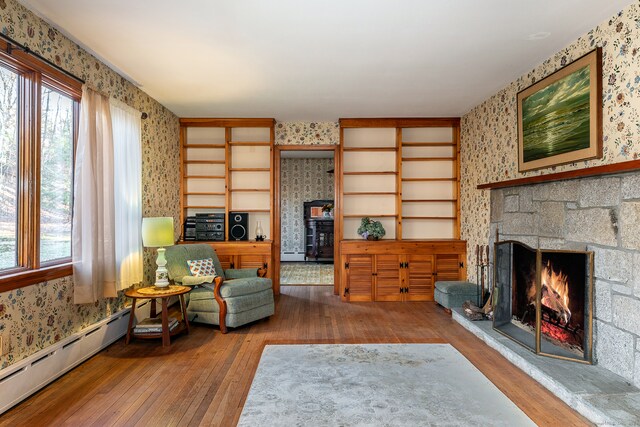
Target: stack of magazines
{"type": "Point", "coordinates": [154, 325]}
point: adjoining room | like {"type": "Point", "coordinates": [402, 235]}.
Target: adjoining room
{"type": "Point", "coordinates": [307, 190]}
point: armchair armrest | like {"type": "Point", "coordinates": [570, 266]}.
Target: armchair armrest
{"type": "Point", "coordinates": [222, 304]}
{"type": "Point", "coordinates": [242, 273]}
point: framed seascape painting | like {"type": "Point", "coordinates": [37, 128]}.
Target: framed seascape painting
{"type": "Point", "coordinates": [560, 117]}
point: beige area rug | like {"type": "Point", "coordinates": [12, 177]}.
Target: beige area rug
{"type": "Point", "coordinates": [302, 273]}
{"type": "Point", "coordinates": [374, 385]}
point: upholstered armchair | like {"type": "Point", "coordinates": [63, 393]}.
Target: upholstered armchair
{"type": "Point", "coordinates": [233, 298]}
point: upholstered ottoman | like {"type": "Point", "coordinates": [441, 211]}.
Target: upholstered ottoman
{"type": "Point", "coordinates": [453, 294]}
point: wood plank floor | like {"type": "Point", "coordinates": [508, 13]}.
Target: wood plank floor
{"type": "Point", "coordinates": [204, 378]}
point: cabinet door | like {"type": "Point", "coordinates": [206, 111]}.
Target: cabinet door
{"type": "Point", "coordinates": [254, 261]}
{"type": "Point", "coordinates": [388, 280]}
{"type": "Point", "coordinates": [448, 267]}
{"type": "Point", "coordinates": [419, 278]}
{"type": "Point", "coordinates": [227, 261]}
{"type": "Point", "coordinates": [360, 277]}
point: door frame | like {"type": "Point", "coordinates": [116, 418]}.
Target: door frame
{"type": "Point", "coordinates": [277, 210]}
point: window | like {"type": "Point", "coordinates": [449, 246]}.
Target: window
{"type": "Point", "coordinates": [56, 175]}
{"type": "Point", "coordinates": [8, 169]}
{"type": "Point", "coordinates": [38, 126]}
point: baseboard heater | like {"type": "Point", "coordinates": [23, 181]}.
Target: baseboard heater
{"type": "Point", "coordinates": [292, 256]}
{"type": "Point", "coordinates": [22, 379]}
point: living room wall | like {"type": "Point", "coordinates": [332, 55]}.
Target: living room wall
{"type": "Point", "coordinates": [307, 133]}
{"type": "Point", "coordinates": [37, 316]}
{"type": "Point", "coordinates": [489, 138]}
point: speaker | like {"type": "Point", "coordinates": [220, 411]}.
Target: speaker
{"type": "Point", "coordinates": [238, 226]}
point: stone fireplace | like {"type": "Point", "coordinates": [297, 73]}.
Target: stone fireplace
{"type": "Point", "coordinates": [543, 299]}
{"type": "Point", "coordinates": [601, 215]}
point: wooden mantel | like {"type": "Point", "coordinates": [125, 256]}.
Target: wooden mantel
{"type": "Point", "coordinates": [613, 168]}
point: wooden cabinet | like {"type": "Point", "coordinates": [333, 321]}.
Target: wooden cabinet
{"type": "Point", "coordinates": [388, 278]}
{"type": "Point", "coordinates": [319, 239]}
{"type": "Point", "coordinates": [244, 254]}
{"type": "Point", "coordinates": [398, 270]}
{"type": "Point", "coordinates": [358, 272]}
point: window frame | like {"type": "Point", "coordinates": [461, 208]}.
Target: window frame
{"type": "Point", "coordinates": [34, 73]}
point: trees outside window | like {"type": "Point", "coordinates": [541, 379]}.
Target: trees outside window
{"type": "Point", "coordinates": [39, 108]}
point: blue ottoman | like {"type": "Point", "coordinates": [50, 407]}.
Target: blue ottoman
{"type": "Point", "coordinates": [453, 294]}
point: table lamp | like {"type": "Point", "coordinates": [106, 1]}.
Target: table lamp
{"type": "Point", "coordinates": [157, 233]}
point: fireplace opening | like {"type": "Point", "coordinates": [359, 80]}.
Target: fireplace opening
{"type": "Point", "coordinates": [543, 299]}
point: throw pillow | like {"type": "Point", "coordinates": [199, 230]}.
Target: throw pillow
{"type": "Point", "coordinates": [202, 267]}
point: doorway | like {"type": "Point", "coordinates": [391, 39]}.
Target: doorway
{"type": "Point", "coordinates": [305, 207]}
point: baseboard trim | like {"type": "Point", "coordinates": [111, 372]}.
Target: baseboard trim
{"type": "Point", "coordinates": [29, 375]}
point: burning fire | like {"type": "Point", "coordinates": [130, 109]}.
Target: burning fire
{"type": "Point", "coordinates": [555, 292]}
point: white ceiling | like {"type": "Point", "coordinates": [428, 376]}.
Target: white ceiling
{"type": "Point", "coordinates": [313, 60]}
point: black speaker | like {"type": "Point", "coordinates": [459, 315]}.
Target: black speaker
{"type": "Point", "coordinates": [238, 226]}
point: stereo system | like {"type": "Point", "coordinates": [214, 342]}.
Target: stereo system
{"type": "Point", "coordinates": [189, 228]}
{"type": "Point", "coordinates": [205, 227]}
{"type": "Point", "coordinates": [238, 226]}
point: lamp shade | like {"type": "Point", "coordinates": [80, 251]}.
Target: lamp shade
{"type": "Point", "coordinates": [157, 232]}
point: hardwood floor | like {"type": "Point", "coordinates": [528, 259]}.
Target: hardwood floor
{"type": "Point", "coordinates": [204, 378]}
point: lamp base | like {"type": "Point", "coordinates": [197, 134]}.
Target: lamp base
{"type": "Point", "coordinates": [162, 275]}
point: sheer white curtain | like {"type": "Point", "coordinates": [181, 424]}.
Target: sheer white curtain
{"type": "Point", "coordinates": [128, 193]}
{"type": "Point", "coordinates": [93, 246]}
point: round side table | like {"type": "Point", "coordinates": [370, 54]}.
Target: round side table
{"type": "Point", "coordinates": [153, 293]}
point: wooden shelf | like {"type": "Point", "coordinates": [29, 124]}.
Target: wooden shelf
{"type": "Point", "coordinates": [429, 217]}
{"type": "Point", "coordinates": [204, 146]}
{"type": "Point", "coordinates": [214, 122]}
{"type": "Point", "coordinates": [204, 193]}
{"type": "Point", "coordinates": [426, 159]}
{"type": "Point", "coordinates": [370, 216]}
{"type": "Point", "coordinates": [204, 162]}
{"type": "Point", "coordinates": [428, 144]}
{"type": "Point", "coordinates": [369, 149]}
{"type": "Point", "coordinates": [621, 167]}
{"type": "Point", "coordinates": [369, 193]}
{"type": "Point", "coordinates": [400, 122]}
{"type": "Point", "coordinates": [428, 200]}
{"type": "Point", "coordinates": [249, 170]}
{"type": "Point", "coordinates": [202, 207]}
{"type": "Point", "coordinates": [369, 173]}
{"type": "Point", "coordinates": [250, 144]}
{"type": "Point", "coordinates": [249, 190]}
{"type": "Point", "coordinates": [249, 210]}
{"type": "Point", "coordinates": [427, 179]}
{"type": "Point", "coordinates": [204, 176]}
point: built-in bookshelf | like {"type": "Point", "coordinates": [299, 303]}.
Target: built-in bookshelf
{"type": "Point", "coordinates": [403, 173]}
{"type": "Point", "coordinates": [226, 166]}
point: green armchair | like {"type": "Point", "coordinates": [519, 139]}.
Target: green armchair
{"type": "Point", "coordinates": [234, 298]}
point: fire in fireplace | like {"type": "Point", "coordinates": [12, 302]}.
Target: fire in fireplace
{"type": "Point", "coordinates": [543, 299]}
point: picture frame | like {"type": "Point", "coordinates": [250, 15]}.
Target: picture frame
{"type": "Point", "coordinates": [316, 212]}
{"type": "Point", "coordinates": [560, 117]}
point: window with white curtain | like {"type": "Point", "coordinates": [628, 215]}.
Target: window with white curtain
{"type": "Point", "coordinates": [127, 165]}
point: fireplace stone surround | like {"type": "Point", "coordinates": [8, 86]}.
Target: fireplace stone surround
{"type": "Point", "coordinates": [599, 214]}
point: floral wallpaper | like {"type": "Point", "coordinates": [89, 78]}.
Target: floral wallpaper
{"type": "Point", "coordinates": [301, 180]}
{"type": "Point", "coordinates": [489, 137]}
{"type": "Point", "coordinates": [37, 316]}
{"type": "Point", "coordinates": [307, 133]}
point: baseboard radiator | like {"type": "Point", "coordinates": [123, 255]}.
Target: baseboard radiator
{"type": "Point", "coordinates": [292, 256]}
{"type": "Point", "coordinates": [22, 379]}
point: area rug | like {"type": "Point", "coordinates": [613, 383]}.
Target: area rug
{"type": "Point", "coordinates": [374, 385]}
{"type": "Point", "coordinates": [299, 273]}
